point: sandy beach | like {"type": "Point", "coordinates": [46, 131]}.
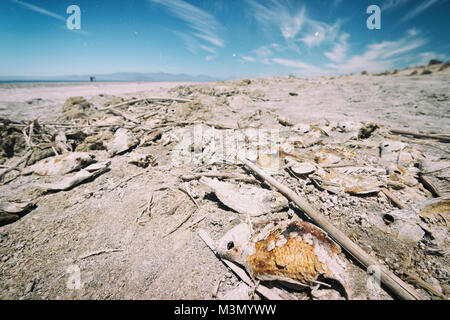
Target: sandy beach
{"type": "Point", "coordinates": [116, 231]}
{"type": "Point", "coordinates": [403, 101]}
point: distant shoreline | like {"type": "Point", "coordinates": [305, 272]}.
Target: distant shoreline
{"type": "Point", "coordinates": [87, 81]}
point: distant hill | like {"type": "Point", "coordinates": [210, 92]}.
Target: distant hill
{"type": "Point", "coordinates": [117, 76]}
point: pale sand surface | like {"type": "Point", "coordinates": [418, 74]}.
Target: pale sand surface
{"type": "Point", "coordinates": [419, 103]}
{"type": "Point", "coordinates": [37, 250]}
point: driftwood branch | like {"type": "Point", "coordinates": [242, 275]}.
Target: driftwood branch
{"type": "Point", "coordinates": [179, 224]}
{"type": "Point", "coordinates": [415, 279]}
{"type": "Point", "coordinates": [185, 190]}
{"type": "Point", "coordinates": [240, 177]}
{"type": "Point", "coordinates": [393, 198]}
{"type": "Point", "coordinates": [126, 180]}
{"type": "Point", "coordinates": [96, 253]}
{"type": "Point", "coordinates": [398, 286]}
{"type": "Point", "coordinates": [123, 115]}
{"type": "Point", "coordinates": [70, 126]}
{"type": "Point", "coordinates": [442, 137]}
{"type": "Point", "coordinates": [144, 99]}
{"type": "Point", "coordinates": [429, 185]}
{"type": "Point", "coordinates": [170, 123]}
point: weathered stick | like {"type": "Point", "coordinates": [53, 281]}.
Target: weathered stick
{"type": "Point", "coordinates": [393, 198]}
{"type": "Point", "coordinates": [196, 221]}
{"type": "Point", "coordinates": [240, 177]}
{"type": "Point", "coordinates": [148, 115]}
{"type": "Point", "coordinates": [123, 115]}
{"type": "Point", "coordinates": [263, 290]}
{"type": "Point", "coordinates": [428, 184]}
{"type": "Point", "coordinates": [179, 224]}
{"type": "Point", "coordinates": [414, 278]}
{"type": "Point", "coordinates": [22, 160]}
{"type": "Point", "coordinates": [126, 180]}
{"type": "Point", "coordinates": [96, 253]}
{"type": "Point", "coordinates": [68, 125]}
{"type": "Point", "coordinates": [441, 137]}
{"type": "Point", "coordinates": [399, 287]}
{"type": "Point", "coordinates": [209, 124]}
{"type": "Point", "coordinates": [144, 99]}
{"type": "Point", "coordinates": [216, 287]}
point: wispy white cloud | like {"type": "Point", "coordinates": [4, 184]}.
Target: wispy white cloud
{"type": "Point", "coordinates": [189, 41]}
{"type": "Point", "coordinates": [263, 52]}
{"type": "Point", "coordinates": [280, 15]}
{"type": "Point", "coordinates": [381, 56]}
{"type": "Point", "coordinates": [248, 58]}
{"type": "Point", "coordinates": [204, 27]}
{"type": "Point", "coordinates": [40, 10]}
{"type": "Point", "coordinates": [320, 32]}
{"type": "Point", "coordinates": [48, 13]}
{"type": "Point", "coordinates": [293, 24]}
{"type": "Point", "coordinates": [208, 49]}
{"type": "Point", "coordinates": [340, 49]}
{"type": "Point", "coordinates": [328, 40]}
{"type": "Point", "coordinates": [418, 10]}
{"type": "Point", "coordinates": [391, 4]}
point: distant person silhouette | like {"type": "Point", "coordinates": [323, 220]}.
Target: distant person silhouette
{"type": "Point", "coordinates": [92, 79]}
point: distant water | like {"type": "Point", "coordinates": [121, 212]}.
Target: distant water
{"type": "Point", "coordinates": [68, 81]}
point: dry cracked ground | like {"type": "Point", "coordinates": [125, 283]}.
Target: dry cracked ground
{"type": "Point", "coordinates": [98, 241]}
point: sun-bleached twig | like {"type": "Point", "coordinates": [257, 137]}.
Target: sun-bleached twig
{"type": "Point", "coordinates": [96, 253]}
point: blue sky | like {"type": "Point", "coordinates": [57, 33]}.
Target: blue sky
{"type": "Point", "coordinates": [220, 38]}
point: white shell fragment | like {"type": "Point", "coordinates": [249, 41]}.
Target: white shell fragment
{"type": "Point", "coordinates": [61, 164]}
{"type": "Point", "coordinates": [123, 141]}
{"type": "Point", "coordinates": [246, 199]}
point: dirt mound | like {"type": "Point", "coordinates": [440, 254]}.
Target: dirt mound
{"type": "Point", "coordinates": [12, 141]}
{"type": "Point", "coordinates": [76, 108]}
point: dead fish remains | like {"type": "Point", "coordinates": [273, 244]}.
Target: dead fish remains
{"type": "Point", "coordinates": [123, 141]}
{"type": "Point", "coordinates": [295, 253]}
{"type": "Point", "coordinates": [12, 211]}
{"type": "Point", "coordinates": [60, 165]}
{"type": "Point", "coordinates": [246, 199]}
{"type": "Point", "coordinates": [90, 172]}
